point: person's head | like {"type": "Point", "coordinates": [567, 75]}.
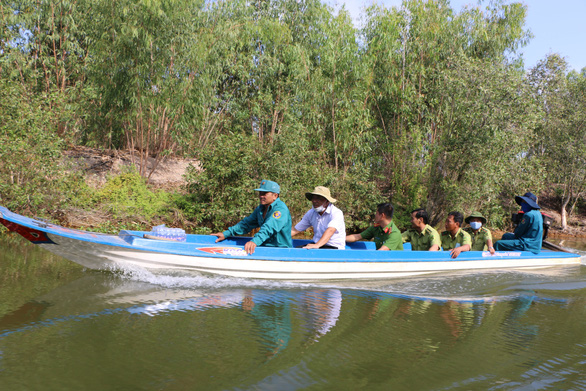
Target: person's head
{"type": "Point", "coordinates": [384, 214]}
{"type": "Point", "coordinates": [268, 192]}
{"type": "Point", "coordinates": [454, 221]}
{"type": "Point", "coordinates": [320, 198]}
{"type": "Point", "coordinates": [419, 218]}
{"type": "Point", "coordinates": [476, 220]}
{"type": "Point", "coordinates": [528, 202]}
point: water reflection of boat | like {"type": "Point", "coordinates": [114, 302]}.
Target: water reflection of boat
{"type": "Point", "coordinates": [200, 253]}
{"type": "Point", "coordinates": [98, 295]}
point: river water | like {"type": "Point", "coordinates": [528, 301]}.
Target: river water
{"type": "Point", "coordinates": [66, 328]}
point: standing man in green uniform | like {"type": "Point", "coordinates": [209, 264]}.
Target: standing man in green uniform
{"type": "Point", "coordinates": [384, 231]}
{"type": "Point", "coordinates": [421, 235]}
{"type": "Point", "coordinates": [454, 238]}
{"type": "Point", "coordinates": [481, 236]}
{"type": "Point", "coordinates": [271, 216]}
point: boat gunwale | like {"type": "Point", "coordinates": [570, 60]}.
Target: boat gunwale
{"type": "Point", "coordinates": [367, 255]}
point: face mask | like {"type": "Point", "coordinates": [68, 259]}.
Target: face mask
{"type": "Point", "coordinates": [319, 209]}
{"type": "Point", "coordinates": [525, 207]}
{"type": "Point", "coordinates": [475, 225]}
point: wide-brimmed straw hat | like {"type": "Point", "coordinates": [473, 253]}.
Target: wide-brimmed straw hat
{"type": "Point", "coordinates": [477, 215]}
{"type": "Point", "coordinates": [271, 186]}
{"type": "Point", "coordinates": [529, 198]}
{"type": "Point", "coordinates": [321, 191]}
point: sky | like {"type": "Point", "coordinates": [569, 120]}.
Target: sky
{"type": "Point", "coordinates": [558, 26]}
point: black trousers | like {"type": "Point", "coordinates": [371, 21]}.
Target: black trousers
{"type": "Point", "coordinates": [325, 246]}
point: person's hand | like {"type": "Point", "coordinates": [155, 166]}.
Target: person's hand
{"type": "Point", "coordinates": [491, 249]}
{"type": "Point", "coordinates": [220, 236]}
{"type": "Point", "coordinates": [249, 247]}
{"type": "Point", "coordinates": [455, 252]}
{"type": "Point", "coordinates": [311, 245]}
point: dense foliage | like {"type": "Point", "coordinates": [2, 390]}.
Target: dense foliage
{"type": "Point", "coordinates": [425, 106]}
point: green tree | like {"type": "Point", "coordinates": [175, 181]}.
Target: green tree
{"type": "Point", "coordinates": [419, 52]}
{"type": "Point", "coordinates": [562, 129]}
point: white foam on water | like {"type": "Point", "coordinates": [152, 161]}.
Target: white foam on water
{"type": "Point", "coordinates": [168, 278]}
{"type": "Point", "coordinates": [471, 286]}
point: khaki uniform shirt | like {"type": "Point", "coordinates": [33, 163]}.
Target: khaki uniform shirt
{"type": "Point", "coordinates": [479, 239]}
{"type": "Point", "coordinates": [422, 241]}
{"type": "Point", "coordinates": [449, 243]}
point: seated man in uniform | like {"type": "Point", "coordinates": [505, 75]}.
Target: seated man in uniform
{"type": "Point", "coordinates": [421, 235]}
{"type": "Point", "coordinates": [454, 238]}
{"type": "Point", "coordinates": [528, 235]}
{"type": "Point", "coordinates": [384, 231]}
{"type": "Point", "coordinates": [329, 230]}
{"type": "Point", "coordinates": [271, 216]}
{"type": "Point", "coordinates": [481, 236]}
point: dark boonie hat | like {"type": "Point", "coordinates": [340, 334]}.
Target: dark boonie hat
{"type": "Point", "coordinates": [529, 198]}
{"type": "Point", "coordinates": [477, 215]}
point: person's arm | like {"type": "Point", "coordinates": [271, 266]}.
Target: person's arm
{"type": "Point", "coordinates": [466, 243]}
{"type": "Point", "coordinates": [323, 240]}
{"type": "Point", "coordinates": [220, 236]}
{"type": "Point", "coordinates": [249, 247]}
{"type": "Point", "coordinates": [353, 238]}
{"type": "Point", "coordinates": [245, 225]}
{"type": "Point", "coordinates": [273, 224]}
{"type": "Point", "coordinates": [294, 232]}
{"type": "Point", "coordinates": [489, 245]}
{"type": "Point", "coordinates": [393, 242]}
{"type": "Point", "coordinates": [524, 226]}
{"type": "Point", "coordinates": [303, 224]}
{"type": "Point", "coordinates": [436, 241]}
{"type": "Point", "coordinates": [456, 251]}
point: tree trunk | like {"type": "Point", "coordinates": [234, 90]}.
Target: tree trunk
{"type": "Point", "coordinates": [564, 213]}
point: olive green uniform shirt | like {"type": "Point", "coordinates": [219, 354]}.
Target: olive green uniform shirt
{"type": "Point", "coordinates": [479, 239]}
{"type": "Point", "coordinates": [389, 236]}
{"type": "Point", "coordinates": [462, 237]}
{"type": "Point", "coordinates": [422, 241]}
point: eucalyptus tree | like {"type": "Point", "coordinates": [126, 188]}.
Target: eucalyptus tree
{"type": "Point", "coordinates": [145, 64]}
{"type": "Point", "coordinates": [43, 52]}
{"type": "Point", "coordinates": [419, 52]}
{"type": "Point", "coordinates": [336, 94]}
{"type": "Point", "coordinates": [44, 49]}
{"type": "Point", "coordinates": [562, 129]}
{"type": "Point", "coordinates": [484, 153]}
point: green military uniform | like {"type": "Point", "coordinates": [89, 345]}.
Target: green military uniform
{"type": "Point", "coordinates": [275, 228]}
{"type": "Point", "coordinates": [389, 236]}
{"type": "Point", "coordinates": [424, 240]}
{"type": "Point", "coordinates": [479, 239]}
{"type": "Point", "coordinates": [462, 238]}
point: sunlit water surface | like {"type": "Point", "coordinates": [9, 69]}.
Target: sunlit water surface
{"type": "Point", "coordinates": [66, 328]}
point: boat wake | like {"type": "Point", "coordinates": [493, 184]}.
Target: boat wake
{"type": "Point", "coordinates": [472, 286]}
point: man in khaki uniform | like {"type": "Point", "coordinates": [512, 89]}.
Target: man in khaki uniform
{"type": "Point", "coordinates": [481, 236]}
{"type": "Point", "coordinates": [421, 235]}
{"type": "Point", "coordinates": [454, 238]}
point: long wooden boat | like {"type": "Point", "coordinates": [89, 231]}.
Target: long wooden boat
{"type": "Point", "coordinates": [200, 253]}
